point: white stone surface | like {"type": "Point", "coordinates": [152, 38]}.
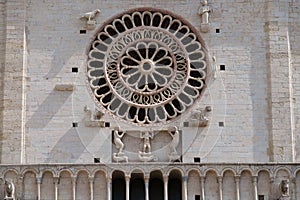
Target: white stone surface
{"type": "Point", "coordinates": [256, 97]}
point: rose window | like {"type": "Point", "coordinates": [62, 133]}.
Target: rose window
{"type": "Point", "coordinates": [146, 67]}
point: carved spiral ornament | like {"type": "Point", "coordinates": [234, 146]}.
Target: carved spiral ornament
{"type": "Point", "coordinates": [146, 67]}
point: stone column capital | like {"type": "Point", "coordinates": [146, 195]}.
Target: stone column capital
{"type": "Point", "coordinates": [73, 179]}
{"type": "Point", "coordinates": [220, 179]}
{"type": "Point", "coordinates": [254, 179]}
{"type": "Point", "coordinates": [91, 179]}
{"type": "Point", "coordinates": [185, 178]}
{"type": "Point", "coordinates": [127, 178]}
{"type": "Point", "coordinates": [146, 178]}
{"type": "Point", "coordinates": [237, 178]}
{"type": "Point", "coordinates": [39, 179]}
{"type": "Point", "coordinates": [166, 178]}
{"type": "Point", "coordinates": [56, 180]}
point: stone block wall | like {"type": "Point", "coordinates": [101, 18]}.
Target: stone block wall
{"type": "Point", "coordinates": [254, 103]}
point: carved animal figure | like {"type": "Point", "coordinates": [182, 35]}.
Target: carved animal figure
{"type": "Point", "coordinates": [90, 15]}
{"type": "Point", "coordinates": [146, 157]}
{"type": "Point", "coordinates": [119, 158]}
{"type": "Point", "coordinates": [9, 190]}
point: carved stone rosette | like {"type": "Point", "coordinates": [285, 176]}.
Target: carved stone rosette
{"type": "Point", "coordinates": [146, 67]}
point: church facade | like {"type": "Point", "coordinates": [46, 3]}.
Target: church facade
{"type": "Point", "coordinates": [131, 100]}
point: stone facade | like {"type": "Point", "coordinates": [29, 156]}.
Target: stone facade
{"type": "Point", "coordinates": [54, 130]}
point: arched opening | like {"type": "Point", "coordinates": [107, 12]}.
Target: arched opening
{"type": "Point", "coordinates": [82, 186]}
{"type": "Point", "coordinates": [193, 184]}
{"type": "Point", "coordinates": [211, 185]}
{"type": "Point", "coordinates": [30, 185]}
{"type": "Point", "coordinates": [118, 186]}
{"type": "Point", "coordinates": [156, 186]}
{"type": "Point", "coordinates": [229, 187]}
{"type": "Point", "coordinates": [298, 185]}
{"type": "Point", "coordinates": [65, 186]}
{"type": "Point", "coordinates": [137, 186]}
{"type": "Point", "coordinates": [263, 184]}
{"type": "Point", "coordinates": [100, 186]}
{"type": "Point", "coordinates": [175, 186]}
{"type": "Point", "coordinates": [246, 185]}
{"type": "Point", "coordinates": [47, 187]}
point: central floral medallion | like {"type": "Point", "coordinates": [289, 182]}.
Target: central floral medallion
{"type": "Point", "coordinates": [146, 67]}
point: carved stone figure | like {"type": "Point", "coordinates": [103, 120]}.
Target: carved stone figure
{"type": "Point", "coordinates": [204, 11]}
{"type": "Point", "coordinates": [284, 188]}
{"type": "Point", "coordinates": [9, 190]}
{"type": "Point", "coordinates": [201, 115]}
{"type": "Point", "coordinates": [93, 118]}
{"type": "Point", "coordinates": [146, 136]}
{"type": "Point", "coordinates": [146, 154]}
{"type": "Point", "coordinates": [90, 17]}
{"type": "Point", "coordinates": [120, 156]}
{"type": "Point", "coordinates": [118, 142]}
{"type": "Point", "coordinates": [175, 140]}
{"type": "Point", "coordinates": [173, 156]}
{"type": "Point", "coordinates": [98, 115]}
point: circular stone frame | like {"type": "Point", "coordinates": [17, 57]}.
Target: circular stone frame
{"type": "Point", "coordinates": [147, 66]}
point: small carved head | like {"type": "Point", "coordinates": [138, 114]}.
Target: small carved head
{"type": "Point", "coordinates": [204, 2]}
{"type": "Point", "coordinates": [97, 11]}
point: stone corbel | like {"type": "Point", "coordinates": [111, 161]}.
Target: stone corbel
{"type": "Point", "coordinates": [93, 118]}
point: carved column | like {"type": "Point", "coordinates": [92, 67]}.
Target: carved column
{"type": "Point", "coordinates": [91, 181]}
{"type": "Point", "coordinates": [220, 181]}
{"type": "Point", "coordinates": [127, 179]}
{"type": "Point", "coordinates": [21, 184]}
{"type": "Point", "coordinates": [294, 188]}
{"type": "Point", "coordinates": [146, 187]}
{"type": "Point", "coordinates": [166, 179]}
{"type": "Point", "coordinates": [56, 179]}
{"type": "Point", "coordinates": [271, 187]}
{"type": "Point", "coordinates": [202, 179]}
{"type": "Point", "coordinates": [254, 181]}
{"type": "Point", "coordinates": [74, 187]}
{"type": "Point", "coordinates": [184, 188]}
{"type": "Point", "coordinates": [237, 186]}
{"type": "Point", "coordinates": [108, 185]}
{"type": "Point", "coordinates": [39, 182]}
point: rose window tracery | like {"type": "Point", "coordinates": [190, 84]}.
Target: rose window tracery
{"type": "Point", "coordinates": [146, 67]}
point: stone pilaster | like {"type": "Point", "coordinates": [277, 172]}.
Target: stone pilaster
{"type": "Point", "coordinates": [281, 130]}
{"type": "Point", "coordinates": [13, 102]}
